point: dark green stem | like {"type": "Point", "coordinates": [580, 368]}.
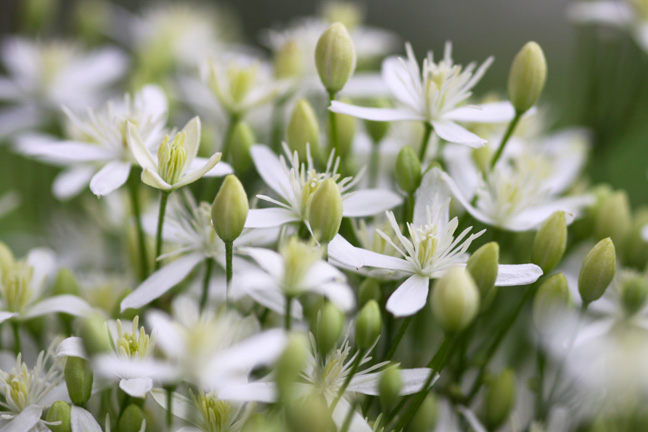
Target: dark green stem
{"type": "Point", "coordinates": [164, 198]}
{"type": "Point", "coordinates": [397, 340]}
{"type": "Point", "coordinates": [16, 333]}
{"type": "Point", "coordinates": [141, 239]}
{"type": "Point", "coordinates": [333, 122]}
{"type": "Point", "coordinates": [169, 413]}
{"type": "Point", "coordinates": [409, 208]}
{"type": "Point", "coordinates": [347, 380]}
{"type": "Point", "coordinates": [209, 263]}
{"type": "Point", "coordinates": [505, 139]}
{"type": "Point", "coordinates": [287, 317]}
{"type": "Point", "coordinates": [373, 164]}
{"type": "Point", "coordinates": [540, 364]}
{"type": "Point", "coordinates": [229, 252]}
{"type": "Point", "coordinates": [426, 139]}
{"type": "Point", "coordinates": [227, 139]}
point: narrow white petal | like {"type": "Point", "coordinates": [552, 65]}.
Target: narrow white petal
{"type": "Point", "coordinates": [614, 13]}
{"type": "Point", "coordinates": [68, 304]}
{"type": "Point", "coordinates": [137, 147]}
{"type": "Point", "coordinates": [253, 392]}
{"type": "Point", "coordinates": [495, 112]}
{"type": "Point", "coordinates": [98, 68]}
{"type": "Point", "coordinates": [338, 293]}
{"type": "Point", "coordinates": [432, 194]}
{"type": "Point", "coordinates": [463, 200]}
{"type": "Point", "coordinates": [461, 168]}
{"type": "Point", "coordinates": [64, 152]}
{"type": "Point", "coordinates": [19, 118]}
{"type": "Point", "coordinates": [269, 260]}
{"type": "Point", "coordinates": [340, 250]}
{"type": "Point", "coordinates": [410, 297]}
{"type": "Point", "coordinates": [395, 75]}
{"type": "Point", "coordinates": [153, 100]}
{"type": "Point", "coordinates": [517, 274]}
{"type": "Point", "coordinates": [71, 182]}
{"type": "Point", "coordinates": [374, 259]}
{"type": "Point", "coordinates": [82, 421]}
{"type": "Point", "coordinates": [111, 366]}
{"type": "Point", "coordinates": [452, 132]}
{"type": "Point", "coordinates": [25, 421]}
{"type": "Point", "coordinates": [472, 419]}
{"type": "Point", "coordinates": [269, 217]}
{"type": "Point", "coordinates": [43, 262]}
{"type": "Point", "coordinates": [271, 171]}
{"type": "Point", "coordinates": [167, 335]}
{"type": "Point", "coordinates": [358, 423]}
{"type": "Point", "coordinates": [375, 114]}
{"type": "Point", "coordinates": [153, 179]}
{"type": "Point", "coordinates": [192, 139]}
{"type": "Point", "coordinates": [191, 177]}
{"type": "Point", "coordinates": [161, 281]}
{"type": "Point", "coordinates": [136, 387]}
{"type": "Point", "coordinates": [533, 217]}
{"type": "Point", "coordinates": [110, 177]}
{"type": "Point", "coordinates": [181, 406]}
{"type": "Point", "coordinates": [412, 379]}
{"type": "Point", "coordinates": [221, 169]}
{"type": "Point", "coordinates": [71, 347]}
{"type": "Point", "coordinates": [370, 202]}
{"type": "Point", "coordinates": [4, 316]}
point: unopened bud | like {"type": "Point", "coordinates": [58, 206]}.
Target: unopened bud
{"type": "Point", "coordinates": [389, 387]}
{"type": "Point", "coordinates": [303, 129]}
{"type": "Point", "coordinates": [368, 325]}
{"type": "Point", "coordinates": [78, 379]}
{"type": "Point", "coordinates": [94, 333]}
{"type": "Point", "coordinates": [597, 271]}
{"type": "Point", "coordinates": [377, 130]}
{"type": "Point", "coordinates": [500, 399]}
{"type": "Point", "coordinates": [328, 328]}
{"type": "Point", "coordinates": [290, 364]}
{"type": "Point", "coordinates": [309, 414]}
{"type": "Point", "coordinates": [60, 411]}
{"type": "Point", "coordinates": [550, 242]}
{"type": "Point", "coordinates": [427, 415]}
{"type": "Point", "coordinates": [288, 62]}
{"type": "Point", "coordinates": [242, 139]}
{"type": "Point", "coordinates": [66, 283]}
{"type": "Point", "coordinates": [455, 300]}
{"type": "Point", "coordinates": [131, 419]}
{"type": "Point", "coordinates": [527, 77]}
{"type": "Point", "coordinates": [551, 303]}
{"type": "Point", "coordinates": [408, 170]}
{"type": "Point", "coordinates": [325, 211]}
{"type": "Point", "coordinates": [345, 128]}
{"type": "Point", "coordinates": [369, 290]}
{"type": "Point", "coordinates": [634, 292]}
{"type": "Point", "coordinates": [482, 266]}
{"type": "Point", "coordinates": [614, 219]}
{"type": "Point", "coordinates": [335, 57]}
{"type": "Point", "coordinates": [230, 209]}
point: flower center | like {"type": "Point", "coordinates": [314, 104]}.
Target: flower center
{"type": "Point", "coordinates": [17, 286]}
{"type": "Point", "coordinates": [298, 259]}
{"type": "Point", "coordinates": [215, 413]}
{"type": "Point", "coordinates": [135, 343]}
{"type": "Point", "coordinates": [240, 79]}
{"type": "Point", "coordinates": [172, 158]}
{"type": "Point", "coordinates": [426, 244]}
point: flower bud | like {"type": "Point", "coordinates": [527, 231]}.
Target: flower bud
{"type": "Point", "coordinates": [309, 414]}
{"type": "Point", "coordinates": [368, 325]}
{"type": "Point", "coordinates": [455, 300]}
{"type": "Point", "coordinates": [614, 219]}
{"type": "Point", "coordinates": [482, 266]}
{"type": "Point", "coordinates": [95, 336]}
{"type": "Point", "coordinates": [597, 271]}
{"type": "Point", "coordinates": [230, 209]}
{"type": "Point", "coordinates": [634, 292]}
{"type": "Point", "coordinates": [345, 128]}
{"type": "Point", "coordinates": [303, 129]}
{"type": "Point", "coordinates": [60, 411]}
{"type": "Point", "coordinates": [635, 251]}
{"type": "Point", "coordinates": [377, 130]}
{"type": "Point", "coordinates": [335, 57]}
{"type": "Point", "coordinates": [66, 283]}
{"type": "Point", "coordinates": [527, 77]}
{"type": "Point", "coordinates": [325, 211]}
{"type": "Point", "coordinates": [290, 364]}
{"type": "Point", "coordinates": [288, 62]}
{"type": "Point", "coordinates": [550, 242]}
{"type": "Point", "coordinates": [551, 303]}
{"type": "Point", "coordinates": [427, 415]}
{"type": "Point", "coordinates": [328, 329]}
{"type": "Point", "coordinates": [131, 419]}
{"type": "Point", "coordinates": [78, 379]}
{"type": "Point", "coordinates": [408, 170]}
{"type": "Point", "coordinates": [500, 399]}
{"type": "Point", "coordinates": [389, 387]}
{"type": "Point", "coordinates": [369, 290]}
{"type": "Point", "coordinates": [242, 139]}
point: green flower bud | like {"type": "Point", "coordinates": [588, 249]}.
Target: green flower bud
{"type": "Point", "coordinates": [500, 399]}
{"type": "Point", "coordinates": [78, 379]}
{"type": "Point", "coordinates": [288, 62]}
{"type": "Point", "coordinates": [328, 328]}
{"type": "Point", "coordinates": [527, 77]}
{"type": "Point", "coordinates": [345, 127]}
{"type": "Point", "coordinates": [550, 242]}
{"type": "Point", "coordinates": [369, 290]}
{"type": "Point", "coordinates": [427, 415]}
{"type": "Point", "coordinates": [59, 411]}
{"type": "Point", "coordinates": [368, 325]}
{"type": "Point", "coordinates": [635, 251]}
{"type": "Point", "coordinates": [408, 170]}
{"type": "Point", "coordinates": [66, 283]}
{"type": "Point", "coordinates": [303, 128]}
{"type": "Point", "coordinates": [290, 364]}
{"type": "Point", "coordinates": [335, 57]}
{"type": "Point", "coordinates": [377, 130]}
{"type": "Point", "coordinates": [309, 414]}
{"type": "Point", "coordinates": [455, 300]}
{"type": "Point", "coordinates": [389, 387]}
{"type": "Point", "coordinates": [634, 293]}
{"type": "Point", "coordinates": [325, 211]}
{"type": "Point", "coordinates": [597, 271]}
{"type": "Point", "coordinates": [614, 219]}
{"type": "Point", "coordinates": [482, 266]}
{"type": "Point", "coordinates": [230, 209]}
{"type": "Point", "coordinates": [242, 139]}
{"type": "Point", "coordinates": [131, 419]}
{"type": "Point", "coordinates": [551, 303]}
{"type": "Point", "coordinates": [298, 258]}
{"type": "Point", "coordinates": [95, 336]}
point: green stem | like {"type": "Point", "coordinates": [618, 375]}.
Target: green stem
{"type": "Point", "coordinates": [426, 139]}
{"type": "Point", "coordinates": [164, 198]}
{"type": "Point", "coordinates": [505, 139]}
{"type": "Point", "coordinates": [287, 317]}
{"type": "Point", "coordinates": [16, 333]}
{"type": "Point", "coordinates": [347, 380]}
{"type": "Point", "coordinates": [233, 121]}
{"type": "Point", "coordinates": [373, 164]}
{"type": "Point", "coordinates": [209, 263]}
{"type": "Point", "coordinates": [397, 340]}
{"type": "Point", "coordinates": [169, 413]}
{"type": "Point", "coordinates": [229, 251]}
{"type": "Point", "coordinates": [333, 122]}
{"type": "Point", "coordinates": [540, 364]}
{"type": "Point", "coordinates": [141, 239]}
{"type": "Point", "coordinates": [324, 251]}
{"type": "Point", "coordinates": [409, 208]}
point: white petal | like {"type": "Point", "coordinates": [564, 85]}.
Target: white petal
{"type": "Point", "coordinates": [374, 259]}
{"type": "Point", "coordinates": [153, 179]}
{"type": "Point", "coordinates": [4, 316]}
{"type": "Point", "coordinates": [452, 132]}
{"type": "Point", "coordinates": [180, 406]}
{"type": "Point", "coordinates": [19, 118]}
{"type": "Point", "coordinates": [410, 297]}
{"type": "Point", "coordinates": [153, 101]}
{"type": "Point", "coordinates": [64, 152]}
{"type": "Point", "coordinates": [495, 112]}
{"type": "Point", "coordinates": [340, 250]}
{"type": "Point", "coordinates": [458, 195]}
{"type": "Point", "coordinates": [221, 169]}
{"type": "Point", "coordinates": [136, 387]}
{"type": "Point", "coordinates": [472, 419]}
{"type": "Point", "coordinates": [517, 274]}
{"type": "Point", "coordinates": [369, 202]}
{"type": "Point", "coordinates": [25, 421]}
{"type": "Point", "coordinates": [412, 379]}
{"type": "Point", "coordinates": [363, 85]}
{"type": "Point", "coordinates": [192, 139]}
{"type": "Point", "coordinates": [161, 281]}
{"type": "Point", "coordinates": [71, 182]}
{"type": "Point", "coordinates": [395, 75]}
{"type": "Point", "coordinates": [9, 90]}
{"type": "Point", "coordinates": [43, 262]}
{"type": "Point", "coordinates": [615, 13]}
{"type": "Point", "coordinates": [68, 304]}
{"type": "Point", "coordinates": [375, 114]}
{"type": "Point", "coordinates": [191, 177]}
{"type": "Point", "coordinates": [82, 421]}
{"type": "Point", "coordinates": [111, 366]}
{"type": "Point", "coordinates": [271, 171]}
{"type": "Point", "coordinates": [644, 233]}
{"type": "Point", "coordinates": [98, 68]}
{"type": "Point", "coordinates": [71, 347]}
{"type": "Point", "coordinates": [269, 260]}
{"type": "Point", "coordinates": [462, 169]}
{"type": "Point", "coordinates": [432, 194]}
{"type": "Point", "coordinates": [535, 216]}
{"type": "Point", "coordinates": [137, 147]}
{"type": "Point", "coordinates": [167, 335]}
{"type": "Point", "coordinates": [253, 392]}
{"type": "Point", "coordinates": [269, 217]}
{"type": "Point", "coordinates": [110, 177]}
{"type": "Point", "coordinates": [339, 293]}
{"type": "Point", "coordinates": [358, 423]}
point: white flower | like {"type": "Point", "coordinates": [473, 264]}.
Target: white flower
{"type": "Point", "coordinates": [434, 95]}
{"type": "Point", "coordinates": [429, 252]}
{"type": "Point", "coordinates": [177, 164]}
{"type": "Point", "coordinates": [42, 76]}
{"type": "Point", "coordinates": [297, 184]}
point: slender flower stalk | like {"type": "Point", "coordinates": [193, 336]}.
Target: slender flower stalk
{"type": "Point", "coordinates": [164, 197]}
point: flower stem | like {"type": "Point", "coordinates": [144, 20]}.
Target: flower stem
{"type": "Point", "coordinates": [287, 317]}
{"type": "Point", "coordinates": [373, 164]}
{"type": "Point", "coordinates": [333, 122]}
{"type": "Point", "coordinates": [540, 364]}
{"type": "Point", "coordinates": [233, 121]}
{"type": "Point", "coordinates": [169, 412]}
{"type": "Point", "coordinates": [426, 139]}
{"type": "Point", "coordinates": [164, 198]}
{"type": "Point", "coordinates": [141, 240]}
{"type": "Point", "coordinates": [409, 208]}
{"type": "Point", "coordinates": [354, 368]}
{"type": "Point", "coordinates": [397, 340]}
{"type": "Point", "coordinates": [16, 334]}
{"type": "Point", "coordinates": [205, 291]}
{"type": "Point", "coordinates": [505, 139]}
{"type": "Point", "coordinates": [229, 247]}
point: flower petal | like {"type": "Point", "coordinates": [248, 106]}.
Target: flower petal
{"type": "Point", "coordinates": [71, 347]}
{"type": "Point", "coordinates": [533, 217]}
{"type": "Point", "coordinates": [191, 177]}
{"type": "Point", "coordinates": [25, 421]}
{"type": "Point", "coordinates": [221, 169]}
{"type": "Point", "coordinates": [358, 423]}
{"type": "Point", "coordinates": [494, 112]}
{"type": "Point", "coordinates": [396, 75]}
{"type": "Point", "coordinates": [137, 147]}
{"type": "Point", "coordinates": [71, 182]}
{"type": "Point", "coordinates": [110, 177]}
{"type": "Point", "coordinates": [338, 293]}
{"type": "Point", "coordinates": [269, 217]}
{"type": "Point", "coordinates": [452, 132]}
{"type": "Point", "coordinates": [161, 281]}
{"type": "Point", "coordinates": [136, 387]}
{"type": "Point", "coordinates": [412, 379]}
{"type": "Point", "coordinates": [62, 152]}
{"type": "Point", "coordinates": [269, 260]}
{"type": "Point", "coordinates": [259, 391]}
{"type": "Point", "coordinates": [68, 304]}
{"type": "Point", "coordinates": [369, 202]}
{"type": "Point", "coordinates": [153, 179]}
{"type": "Point", "coordinates": [432, 194]}
{"type": "Point", "coordinates": [192, 139]}
{"type": "Point", "coordinates": [378, 260]}
{"type": "Point", "coordinates": [82, 421]}
{"type": "Point", "coordinates": [517, 274]}
{"type": "Point", "coordinates": [343, 252]}
{"type": "Point", "coordinates": [4, 316]}
{"type": "Point", "coordinates": [375, 114]}
{"type": "Point", "coordinates": [614, 13]}
{"type": "Point", "coordinates": [410, 297]}
{"type": "Point", "coordinates": [459, 196]}
{"type": "Point", "coordinates": [181, 406]}
{"type": "Point", "coordinates": [271, 171]}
